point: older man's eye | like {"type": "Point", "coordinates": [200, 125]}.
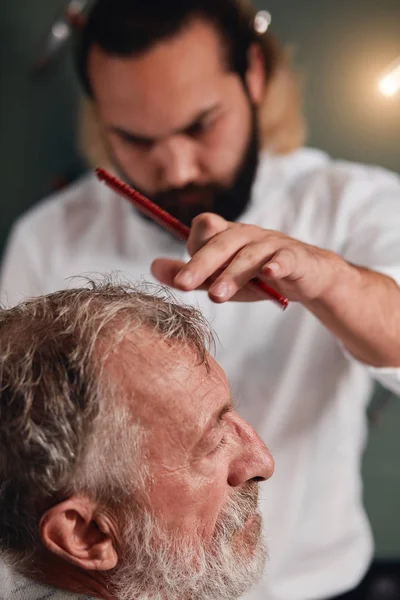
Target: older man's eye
{"type": "Point", "coordinates": [218, 446]}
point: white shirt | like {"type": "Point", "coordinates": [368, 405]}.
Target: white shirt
{"type": "Point", "coordinates": [295, 385]}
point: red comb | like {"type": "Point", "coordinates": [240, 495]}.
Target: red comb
{"type": "Point", "coordinates": [168, 222]}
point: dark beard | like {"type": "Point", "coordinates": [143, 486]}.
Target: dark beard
{"type": "Point", "coordinates": [230, 203]}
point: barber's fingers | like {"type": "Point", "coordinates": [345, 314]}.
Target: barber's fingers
{"type": "Point", "coordinates": [203, 228]}
{"type": "Point", "coordinates": [285, 263]}
{"type": "Point", "coordinates": [245, 266]}
{"type": "Point", "coordinates": [216, 254]}
{"type": "Point", "coordinates": [165, 270]}
{"type": "Point", "coordinates": [257, 258]}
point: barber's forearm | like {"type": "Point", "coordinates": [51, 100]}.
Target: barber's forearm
{"type": "Point", "coordinates": [362, 309]}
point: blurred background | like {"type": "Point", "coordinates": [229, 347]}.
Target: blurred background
{"type": "Point", "coordinates": [341, 49]}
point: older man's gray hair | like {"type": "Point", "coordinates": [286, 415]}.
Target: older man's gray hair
{"type": "Point", "coordinates": [52, 392]}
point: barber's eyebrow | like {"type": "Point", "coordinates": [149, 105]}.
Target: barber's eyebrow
{"type": "Point", "coordinates": [135, 138]}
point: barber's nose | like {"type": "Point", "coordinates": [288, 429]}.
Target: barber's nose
{"type": "Point", "coordinates": [253, 460]}
{"type": "Point", "coordinates": [178, 162]}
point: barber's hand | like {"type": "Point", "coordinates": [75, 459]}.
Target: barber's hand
{"type": "Point", "coordinates": [226, 256]}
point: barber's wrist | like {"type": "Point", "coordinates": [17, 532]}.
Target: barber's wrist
{"type": "Point", "coordinates": [341, 281]}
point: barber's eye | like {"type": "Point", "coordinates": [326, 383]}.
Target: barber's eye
{"type": "Point", "coordinates": [142, 145]}
{"type": "Point", "coordinates": [200, 128]}
{"type": "Point", "coordinates": [136, 143]}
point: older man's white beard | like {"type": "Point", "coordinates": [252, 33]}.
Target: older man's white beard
{"type": "Point", "coordinates": [164, 566]}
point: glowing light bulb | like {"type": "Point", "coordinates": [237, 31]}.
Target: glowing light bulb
{"type": "Point", "coordinates": [61, 30]}
{"type": "Point", "coordinates": [389, 85]}
{"type": "Point", "coordinates": [262, 21]}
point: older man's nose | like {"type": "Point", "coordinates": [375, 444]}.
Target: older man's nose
{"type": "Point", "coordinates": [253, 460]}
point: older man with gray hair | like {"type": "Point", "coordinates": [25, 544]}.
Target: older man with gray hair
{"type": "Point", "coordinates": [125, 472]}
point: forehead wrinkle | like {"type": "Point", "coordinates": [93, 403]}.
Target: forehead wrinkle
{"type": "Point", "coordinates": [169, 389]}
{"type": "Point", "coordinates": [137, 360]}
{"type": "Point", "coordinates": [190, 407]}
{"type": "Point", "coordinates": [158, 362]}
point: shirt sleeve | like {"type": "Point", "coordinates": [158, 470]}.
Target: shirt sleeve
{"type": "Point", "coordinates": [389, 378]}
{"type": "Point", "coordinates": [371, 206]}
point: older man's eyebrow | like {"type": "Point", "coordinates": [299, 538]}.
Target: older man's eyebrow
{"type": "Point", "coordinates": [135, 138]}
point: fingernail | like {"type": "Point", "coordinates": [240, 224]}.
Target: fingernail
{"type": "Point", "coordinates": [184, 278]}
{"type": "Point", "coordinates": [221, 290]}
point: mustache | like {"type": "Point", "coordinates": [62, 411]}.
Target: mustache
{"type": "Point", "coordinates": [187, 202]}
{"type": "Point", "coordinates": [200, 193]}
{"type": "Point", "coordinates": [187, 189]}
{"type": "Point", "coordinates": [241, 505]}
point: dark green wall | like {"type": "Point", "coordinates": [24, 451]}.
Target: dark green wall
{"type": "Point", "coordinates": [37, 119]}
{"type": "Point", "coordinates": [341, 47]}
{"type": "Point", "coordinates": [382, 481]}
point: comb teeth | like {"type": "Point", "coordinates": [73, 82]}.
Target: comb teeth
{"type": "Point", "coordinates": [168, 222]}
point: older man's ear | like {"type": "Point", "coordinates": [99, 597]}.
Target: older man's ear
{"type": "Point", "coordinates": [74, 532]}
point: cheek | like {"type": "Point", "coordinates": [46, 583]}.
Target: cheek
{"type": "Point", "coordinates": [238, 132]}
{"type": "Point", "coordinates": [190, 503]}
{"type": "Point", "coordinates": [225, 148]}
